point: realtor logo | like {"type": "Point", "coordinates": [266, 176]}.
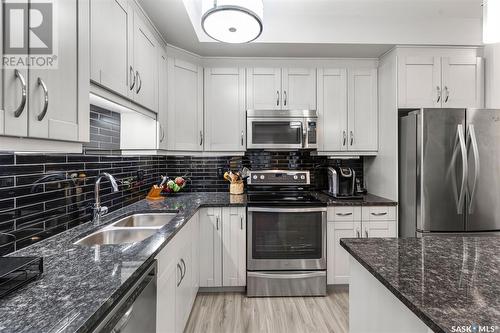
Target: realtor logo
{"type": "Point", "coordinates": [29, 36]}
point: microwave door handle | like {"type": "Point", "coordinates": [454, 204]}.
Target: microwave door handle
{"type": "Point", "coordinates": [304, 134]}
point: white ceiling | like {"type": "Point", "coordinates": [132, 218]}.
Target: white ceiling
{"type": "Point", "coordinates": [328, 28]}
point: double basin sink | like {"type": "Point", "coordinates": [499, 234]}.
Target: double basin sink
{"type": "Point", "coordinates": [130, 229]}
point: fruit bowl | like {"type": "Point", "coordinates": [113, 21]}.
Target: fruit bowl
{"type": "Point", "coordinates": [174, 186]}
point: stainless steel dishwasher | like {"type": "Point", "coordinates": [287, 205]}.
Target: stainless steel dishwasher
{"type": "Point", "coordinates": [136, 310]}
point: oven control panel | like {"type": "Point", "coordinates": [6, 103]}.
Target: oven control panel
{"type": "Point", "coordinates": [279, 177]}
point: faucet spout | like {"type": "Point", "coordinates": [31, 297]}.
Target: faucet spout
{"type": "Point", "coordinates": [98, 209]}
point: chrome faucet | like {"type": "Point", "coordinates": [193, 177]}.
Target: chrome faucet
{"type": "Point", "coordinates": [97, 208]}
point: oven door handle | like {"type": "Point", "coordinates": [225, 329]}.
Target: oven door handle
{"type": "Point", "coordinates": [287, 276]}
{"type": "Point", "coordinates": [287, 210]}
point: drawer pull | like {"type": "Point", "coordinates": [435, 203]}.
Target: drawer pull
{"type": "Point", "coordinates": [344, 214]}
{"type": "Point", "coordinates": [379, 214]}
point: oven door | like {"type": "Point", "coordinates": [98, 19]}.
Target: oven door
{"type": "Point", "coordinates": [275, 133]}
{"type": "Point", "coordinates": [281, 238]}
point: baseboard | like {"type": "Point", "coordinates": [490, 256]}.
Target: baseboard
{"type": "Point", "coordinates": [222, 289]}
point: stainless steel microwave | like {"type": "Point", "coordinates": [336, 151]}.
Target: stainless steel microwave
{"type": "Point", "coordinates": [281, 129]}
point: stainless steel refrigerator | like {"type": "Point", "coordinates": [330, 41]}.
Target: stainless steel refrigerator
{"type": "Point", "coordinates": [449, 171]}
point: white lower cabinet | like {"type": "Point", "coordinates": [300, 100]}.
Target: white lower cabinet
{"type": "Point", "coordinates": [177, 279]}
{"type": "Point", "coordinates": [354, 222]}
{"type": "Point", "coordinates": [223, 247]}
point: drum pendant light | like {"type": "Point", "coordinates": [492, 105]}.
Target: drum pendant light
{"type": "Point", "coordinates": [233, 21]}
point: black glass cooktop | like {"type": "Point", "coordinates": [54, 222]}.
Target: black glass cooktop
{"type": "Point", "coordinates": [283, 198]}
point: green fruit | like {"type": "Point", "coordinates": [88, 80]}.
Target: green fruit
{"type": "Point", "coordinates": [176, 187]}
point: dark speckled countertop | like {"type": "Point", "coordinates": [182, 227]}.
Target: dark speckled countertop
{"type": "Point", "coordinates": [446, 281]}
{"type": "Point", "coordinates": [80, 283]}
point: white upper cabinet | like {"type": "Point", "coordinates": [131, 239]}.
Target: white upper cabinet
{"type": "Point", "coordinates": [462, 82]}
{"type": "Point", "coordinates": [162, 100]}
{"type": "Point", "coordinates": [363, 110]}
{"type": "Point", "coordinates": [109, 63]}
{"type": "Point", "coordinates": [145, 59]}
{"type": "Point", "coordinates": [225, 109]}
{"type": "Point", "coordinates": [185, 106]}
{"type": "Point", "coordinates": [434, 81]}
{"type": "Point", "coordinates": [347, 111]}
{"type": "Point", "coordinates": [419, 81]}
{"type": "Point", "coordinates": [332, 109]}
{"type": "Point", "coordinates": [52, 103]}
{"type": "Point", "coordinates": [281, 89]}
{"type": "Point", "coordinates": [299, 88]}
{"type": "Point", "coordinates": [263, 88]}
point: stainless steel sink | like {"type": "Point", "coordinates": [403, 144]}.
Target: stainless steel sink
{"type": "Point", "coordinates": [155, 220]}
{"type": "Point", "coordinates": [116, 236]}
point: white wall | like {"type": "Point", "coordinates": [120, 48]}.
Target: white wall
{"type": "Point", "coordinates": [492, 75]}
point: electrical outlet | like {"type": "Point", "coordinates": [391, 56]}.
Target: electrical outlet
{"type": "Point", "coordinates": [220, 172]}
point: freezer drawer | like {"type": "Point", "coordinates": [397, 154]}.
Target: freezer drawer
{"type": "Point", "coordinates": [286, 283]}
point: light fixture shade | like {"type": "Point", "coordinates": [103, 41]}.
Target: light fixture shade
{"type": "Point", "coordinates": [491, 21]}
{"type": "Point", "coordinates": [233, 21]}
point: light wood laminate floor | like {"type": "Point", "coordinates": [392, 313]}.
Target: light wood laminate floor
{"type": "Point", "coordinates": [234, 312]}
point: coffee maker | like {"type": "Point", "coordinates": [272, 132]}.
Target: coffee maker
{"type": "Point", "coordinates": [342, 183]}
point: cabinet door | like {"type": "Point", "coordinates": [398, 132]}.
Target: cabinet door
{"type": "Point", "coordinates": [383, 229]}
{"type": "Point", "coordinates": [419, 82]}
{"type": "Point", "coordinates": [338, 267]}
{"type": "Point", "coordinates": [195, 253]}
{"type": "Point", "coordinates": [224, 109]}
{"type": "Point", "coordinates": [299, 89]}
{"type": "Point", "coordinates": [211, 247]}
{"type": "Point", "coordinates": [109, 27]}
{"type": "Point", "coordinates": [53, 93]}
{"type": "Point", "coordinates": [264, 88]}
{"type": "Point", "coordinates": [145, 65]}
{"type": "Point", "coordinates": [234, 247]}
{"type": "Point", "coordinates": [166, 298]}
{"type": "Point", "coordinates": [183, 297]}
{"type": "Point", "coordinates": [162, 101]}
{"type": "Point", "coordinates": [332, 109]}
{"type": "Point", "coordinates": [363, 110]}
{"type": "Point", "coordinates": [463, 82]}
{"type": "Point", "coordinates": [14, 87]}
{"type": "Point", "coordinates": [185, 106]}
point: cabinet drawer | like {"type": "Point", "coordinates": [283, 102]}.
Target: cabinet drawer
{"type": "Point", "coordinates": [379, 213]}
{"type": "Point", "coordinates": [344, 213]}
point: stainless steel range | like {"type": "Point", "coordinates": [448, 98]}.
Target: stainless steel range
{"type": "Point", "coordinates": [286, 238]}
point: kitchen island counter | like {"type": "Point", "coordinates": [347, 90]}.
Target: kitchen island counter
{"type": "Point", "coordinates": [449, 282]}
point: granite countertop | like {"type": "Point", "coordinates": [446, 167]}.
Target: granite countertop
{"type": "Point", "coordinates": [80, 283]}
{"type": "Point", "coordinates": [367, 200]}
{"type": "Point", "coordinates": [445, 280]}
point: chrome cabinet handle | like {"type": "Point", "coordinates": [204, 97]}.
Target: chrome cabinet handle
{"type": "Point", "coordinates": [21, 106]}
{"type": "Point", "coordinates": [180, 270]}
{"type": "Point", "coordinates": [201, 138]}
{"type": "Point", "coordinates": [366, 233]}
{"type": "Point", "coordinates": [278, 98]}
{"type": "Point", "coordinates": [477, 166]}
{"type": "Point", "coordinates": [217, 222]}
{"type": "Point", "coordinates": [130, 77]}
{"type": "Point", "coordinates": [139, 82]}
{"type": "Point", "coordinates": [379, 214]}
{"type": "Point", "coordinates": [46, 99]}
{"type": "Point", "coordinates": [285, 97]}
{"type": "Point", "coordinates": [344, 214]}
{"type": "Point", "coordinates": [183, 265]}
{"type": "Point", "coordinates": [162, 133]}
{"type": "Point", "coordinates": [447, 94]}
{"type": "Point", "coordinates": [358, 233]}
{"type": "Point", "coordinates": [352, 137]}
{"type": "Point", "coordinates": [344, 138]}
{"type": "Point", "coordinates": [241, 222]}
{"type": "Point", "coordinates": [438, 94]}
{"type": "Point", "coordinates": [242, 140]}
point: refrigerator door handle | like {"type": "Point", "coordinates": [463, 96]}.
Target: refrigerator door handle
{"type": "Point", "coordinates": [475, 151]}
{"type": "Point", "coordinates": [463, 150]}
